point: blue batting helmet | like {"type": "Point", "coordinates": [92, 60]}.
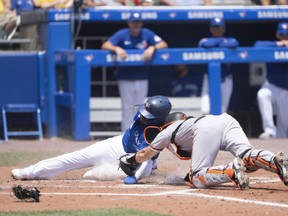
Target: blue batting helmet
{"type": "Point", "coordinates": [156, 108]}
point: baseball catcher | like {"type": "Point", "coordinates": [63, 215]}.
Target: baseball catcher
{"type": "Point", "coordinates": [26, 194]}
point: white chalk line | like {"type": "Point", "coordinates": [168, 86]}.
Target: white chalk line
{"type": "Point", "coordinates": [163, 185]}
{"type": "Point", "coordinates": [186, 192]}
{"type": "Point", "coordinates": [263, 203]}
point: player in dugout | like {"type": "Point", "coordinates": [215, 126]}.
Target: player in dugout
{"type": "Point", "coordinates": [273, 94]}
{"type": "Point", "coordinates": [218, 39]}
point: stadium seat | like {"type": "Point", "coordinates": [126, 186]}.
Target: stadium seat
{"type": "Point", "coordinates": [21, 109]}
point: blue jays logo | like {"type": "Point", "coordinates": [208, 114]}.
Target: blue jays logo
{"type": "Point", "coordinates": [242, 14]}
{"type": "Point", "coordinates": [284, 26]}
{"type": "Point", "coordinates": [172, 15]}
{"type": "Point", "coordinates": [137, 142]}
{"type": "Point", "coordinates": [142, 45]}
{"type": "Point", "coordinates": [243, 55]}
{"type": "Point", "coordinates": [165, 56]}
{"type": "Point", "coordinates": [106, 15]}
{"type": "Point", "coordinates": [89, 58]}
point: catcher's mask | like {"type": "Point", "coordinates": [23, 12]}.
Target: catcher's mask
{"type": "Point", "coordinates": [151, 132]}
{"type": "Point", "coordinates": [155, 110]}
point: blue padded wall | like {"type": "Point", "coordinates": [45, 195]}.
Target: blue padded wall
{"type": "Point", "coordinates": [19, 79]}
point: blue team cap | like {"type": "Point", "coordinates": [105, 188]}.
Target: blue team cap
{"type": "Point", "coordinates": [217, 21]}
{"type": "Point", "coordinates": [282, 28]}
{"type": "Point", "coordinates": [135, 17]}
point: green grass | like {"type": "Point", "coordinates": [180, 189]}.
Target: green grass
{"type": "Point", "coordinates": [99, 212]}
{"type": "Point", "coordinates": [24, 158]}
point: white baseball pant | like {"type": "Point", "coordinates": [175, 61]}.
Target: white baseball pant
{"type": "Point", "coordinates": [132, 92]}
{"type": "Point", "coordinates": [226, 92]}
{"type": "Point", "coordinates": [272, 99]}
{"type": "Point", "coordinates": [104, 152]}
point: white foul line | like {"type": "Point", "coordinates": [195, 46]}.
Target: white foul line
{"type": "Point", "coordinates": [181, 192]}
{"type": "Point", "coordinates": [186, 192]}
{"type": "Point", "coordinates": [274, 204]}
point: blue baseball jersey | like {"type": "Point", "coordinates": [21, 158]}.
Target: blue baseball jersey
{"type": "Point", "coordinates": [228, 42]}
{"type": "Point", "coordinates": [133, 139]}
{"type": "Point", "coordinates": [277, 73]}
{"type": "Point", "coordinates": [123, 39]}
{"type": "Point", "coordinates": [22, 5]}
{"type": "Point", "coordinates": [184, 87]}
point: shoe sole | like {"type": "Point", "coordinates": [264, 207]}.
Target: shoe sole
{"type": "Point", "coordinates": [282, 160]}
{"type": "Point", "coordinates": [242, 179]}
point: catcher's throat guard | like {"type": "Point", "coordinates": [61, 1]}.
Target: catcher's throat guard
{"type": "Point", "coordinates": [151, 132]}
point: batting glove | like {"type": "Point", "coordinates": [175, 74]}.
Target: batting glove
{"type": "Point", "coordinates": [130, 180]}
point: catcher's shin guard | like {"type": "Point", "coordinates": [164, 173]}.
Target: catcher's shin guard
{"type": "Point", "coordinates": [256, 159]}
{"type": "Point", "coordinates": [212, 176]}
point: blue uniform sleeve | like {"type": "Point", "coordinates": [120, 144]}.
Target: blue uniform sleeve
{"type": "Point", "coordinates": [229, 43]}
{"type": "Point", "coordinates": [13, 4]}
{"type": "Point", "coordinates": [209, 42]}
{"type": "Point", "coordinates": [117, 37]}
{"type": "Point", "coordinates": [152, 38]}
{"type": "Point", "coordinates": [218, 42]}
{"type": "Point", "coordinates": [265, 44]}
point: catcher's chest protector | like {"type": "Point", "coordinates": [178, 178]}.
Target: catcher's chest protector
{"type": "Point", "coordinates": [176, 149]}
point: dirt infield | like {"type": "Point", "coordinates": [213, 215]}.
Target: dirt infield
{"type": "Point", "coordinates": [163, 192]}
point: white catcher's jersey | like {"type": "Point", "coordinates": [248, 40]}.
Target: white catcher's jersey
{"type": "Point", "coordinates": [204, 138]}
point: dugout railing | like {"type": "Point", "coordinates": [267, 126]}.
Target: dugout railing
{"type": "Point", "coordinates": [76, 67]}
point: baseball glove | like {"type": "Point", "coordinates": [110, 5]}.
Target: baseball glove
{"type": "Point", "coordinates": [128, 167]}
{"type": "Point", "coordinates": [27, 194]}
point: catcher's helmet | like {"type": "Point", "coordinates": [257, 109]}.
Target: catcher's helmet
{"type": "Point", "coordinates": [156, 108]}
{"type": "Point", "coordinates": [175, 116]}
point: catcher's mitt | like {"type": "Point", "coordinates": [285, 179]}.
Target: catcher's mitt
{"type": "Point", "coordinates": [27, 194]}
{"type": "Point", "coordinates": [128, 167]}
